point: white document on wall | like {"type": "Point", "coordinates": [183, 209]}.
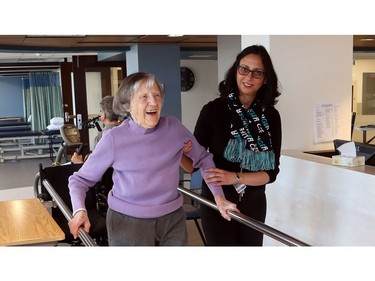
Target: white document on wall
{"type": "Point", "coordinates": [326, 122]}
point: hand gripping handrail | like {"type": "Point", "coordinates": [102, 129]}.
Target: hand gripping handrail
{"type": "Point", "coordinates": [261, 227]}
{"type": "Point", "coordinates": [84, 236]}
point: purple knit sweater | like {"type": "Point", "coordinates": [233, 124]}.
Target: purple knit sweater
{"type": "Point", "coordinates": [146, 168]}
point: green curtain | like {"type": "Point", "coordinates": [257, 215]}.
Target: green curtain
{"type": "Point", "coordinates": [26, 98]}
{"type": "Point", "coordinates": [45, 98]}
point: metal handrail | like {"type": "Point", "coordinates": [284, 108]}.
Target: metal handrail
{"type": "Point", "coordinates": [248, 221]}
{"type": "Point", "coordinates": [83, 235]}
{"type": "Point", "coordinates": [259, 226]}
{"type": "Point", "coordinates": [36, 185]}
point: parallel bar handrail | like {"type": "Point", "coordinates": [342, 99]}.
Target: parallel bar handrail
{"type": "Point", "coordinates": [84, 236]}
{"type": "Point", "coordinates": [36, 185]}
{"type": "Point", "coordinates": [265, 229]}
{"type": "Point", "coordinates": [261, 227]}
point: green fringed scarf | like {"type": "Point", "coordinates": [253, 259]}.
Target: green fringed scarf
{"type": "Point", "coordinates": [251, 143]}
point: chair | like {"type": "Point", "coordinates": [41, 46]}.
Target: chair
{"type": "Point", "coordinates": [352, 124]}
{"type": "Point", "coordinates": [58, 176]}
{"type": "Point", "coordinates": [192, 209]}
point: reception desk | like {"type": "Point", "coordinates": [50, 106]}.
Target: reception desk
{"type": "Point", "coordinates": [322, 204]}
{"type": "Point", "coordinates": [27, 222]}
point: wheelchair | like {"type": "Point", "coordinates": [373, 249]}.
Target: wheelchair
{"type": "Point", "coordinates": [96, 202]}
{"type": "Point", "coordinates": [96, 197]}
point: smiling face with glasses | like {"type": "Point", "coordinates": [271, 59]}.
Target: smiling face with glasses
{"type": "Point", "coordinates": [250, 78]}
{"type": "Point", "coordinates": [256, 73]}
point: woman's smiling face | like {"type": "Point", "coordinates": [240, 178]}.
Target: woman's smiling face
{"type": "Point", "coordinates": [146, 105]}
{"type": "Point", "coordinates": [247, 84]}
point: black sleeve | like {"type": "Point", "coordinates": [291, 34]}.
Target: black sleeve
{"type": "Point", "coordinates": [203, 127]}
{"type": "Point", "coordinates": [276, 135]}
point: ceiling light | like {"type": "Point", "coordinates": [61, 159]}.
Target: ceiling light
{"type": "Point", "coordinates": [55, 36]}
{"type": "Point", "coordinates": [366, 39]}
{"type": "Point", "coordinates": [200, 56]}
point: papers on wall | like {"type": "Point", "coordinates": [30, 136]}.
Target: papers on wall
{"type": "Point", "coordinates": [326, 122]}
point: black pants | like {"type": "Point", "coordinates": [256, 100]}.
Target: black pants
{"type": "Point", "coordinates": [220, 232]}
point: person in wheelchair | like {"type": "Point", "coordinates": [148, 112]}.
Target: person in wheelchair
{"type": "Point", "coordinates": [145, 206]}
{"type": "Point", "coordinates": [109, 119]}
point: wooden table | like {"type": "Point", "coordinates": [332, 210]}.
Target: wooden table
{"type": "Point", "coordinates": [24, 222]}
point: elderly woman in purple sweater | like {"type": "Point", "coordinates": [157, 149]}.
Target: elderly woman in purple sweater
{"type": "Point", "coordinates": [145, 207]}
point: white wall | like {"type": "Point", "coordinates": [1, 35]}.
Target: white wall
{"type": "Point", "coordinates": [312, 69]}
{"type": "Point", "coordinates": [204, 90]}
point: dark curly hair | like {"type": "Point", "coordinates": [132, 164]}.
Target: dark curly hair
{"type": "Point", "coordinates": [269, 92]}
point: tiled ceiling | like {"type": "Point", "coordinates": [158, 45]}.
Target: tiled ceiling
{"type": "Point", "coordinates": [38, 48]}
{"type": "Point", "coordinates": [21, 48]}
{"type": "Point", "coordinates": [364, 47]}
{"type": "Point", "coordinates": [42, 49]}
{"type": "Point", "coordinates": [364, 42]}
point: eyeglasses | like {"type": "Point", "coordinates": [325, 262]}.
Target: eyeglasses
{"type": "Point", "coordinates": [256, 73]}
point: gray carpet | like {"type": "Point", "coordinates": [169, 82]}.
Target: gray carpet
{"type": "Point", "coordinates": [20, 173]}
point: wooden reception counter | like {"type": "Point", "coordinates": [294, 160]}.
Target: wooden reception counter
{"type": "Point", "coordinates": [25, 222]}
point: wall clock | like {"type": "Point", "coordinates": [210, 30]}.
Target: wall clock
{"type": "Point", "coordinates": [187, 79]}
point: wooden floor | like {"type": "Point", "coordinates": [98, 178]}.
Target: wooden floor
{"type": "Point", "coordinates": [17, 181]}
